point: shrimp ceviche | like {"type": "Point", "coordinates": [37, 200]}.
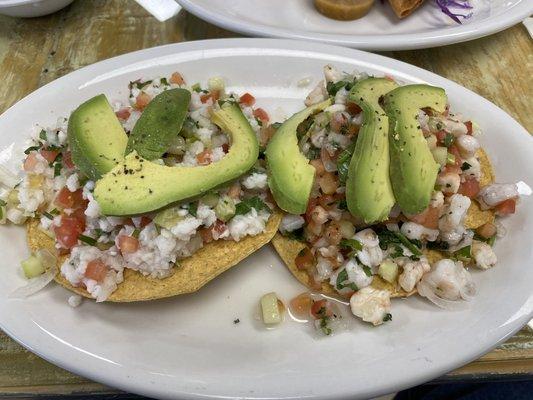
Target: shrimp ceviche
{"type": "Point", "coordinates": [116, 225]}
{"type": "Point", "coordinates": [401, 198]}
{"type": "Point", "coordinates": [374, 190]}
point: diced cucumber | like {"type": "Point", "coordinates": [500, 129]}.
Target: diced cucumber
{"type": "Point", "coordinates": [168, 218]}
{"type": "Point", "coordinates": [270, 309]}
{"type": "Point", "coordinates": [32, 267]}
{"type": "Point", "coordinates": [388, 270]}
{"type": "Point", "coordinates": [464, 254]}
{"type": "Point", "coordinates": [225, 208]}
{"type": "Point", "coordinates": [440, 154]}
{"type": "Point", "coordinates": [210, 199]}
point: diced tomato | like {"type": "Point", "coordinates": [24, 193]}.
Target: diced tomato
{"type": "Point", "coordinates": [506, 207]}
{"type": "Point", "coordinates": [328, 183]}
{"type": "Point", "coordinates": [142, 101]}
{"type": "Point", "coordinates": [204, 158]}
{"type": "Point", "coordinates": [261, 114]}
{"type": "Point", "coordinates": [128, 244]}
{"type": "Point", "coordinates": [457, 154]}
{"type": "Point", "coordinates": [72, 200]}
{"type": "Point", "coordinates": [440, 136]}
{"type": "Point", "coordinates": [123, 114]}
{"type": "Point", "coordinates": [487, 230]}
{"type": "Point", "coordinates": [265, 134]}
{"type": "Point", "coordinates": [218, 229]}
{"type": "Point", "coordinates": [225, 147]}
{"type": "Point", "coordinates": [469, 128]}
{"type": "Point", "coordinates": [319, 166]}
{"type": "Point", "coordinates": [206, 235]}
{"type": "Point", "coordinates": [177, 78]}
{"type": "Point", "coordinates": [247, 99]}
{"type": "Point", "coordinates": [352, 108]}
{"type": "Point", "coordinates": [320, 309]}
{"type": "Point", "coordinates": [97, 270]}
{"type": "Point", "coordinates": [144, 221]}
{"type": "Point", "coordinates": [300, 306]}
{"type": "Point", "coordinates": [68, 231]}
{"type": "Point", "coordinates": [49, 155]}
{"type": "Point", "coordinates": [311, 204]}
{"type": "Point", "coordinates": [452, 168]}
{"type": "Point", "coordinates": [235, 191]}
{"type": "Point", "coordinates": [305, 259]}
{"type": "Point", "coordinates": [67, 160]}
{"type": "Point", "coordinates": [428, 218]}
{"type": "Point", "coordinates": [469, 188]}
{"type": "Point", "coordinates": [337, 122]}
{"type": "Point", "coordinates": [31, 162]}
{"type": "Point", "coordinates": [214, 94]}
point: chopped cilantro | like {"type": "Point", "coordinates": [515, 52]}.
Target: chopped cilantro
{"type": "Point", "coordinates": [87, 239]}
{"type": "Point", "coordinates": [236, 321]}
{"type": "Point", "coordinates": [343, 205]}
{"type": "Point", "coordinates": [449, 139]}
{"type": "Point", "coordinates": [351, 244]}
{"type": "Point", "coordinates": [193, 208]}
{"type": "Point", "coordinates": [245, 206]}
{"type": "Point", "coordinates": [465, 253]}
{"type": "Point", "coordinates": [341, 278]}
{"type": "Point", "coordinates": [489, 241]}
{"type": "Point", "coordinates": [367, 270]}
{"type": "Point", "coordinates": [313, 153]}
{"type": "Point", "coordinates": [304, 127]}
{"type": "Point", "coordinates": [48, 215]}
{"type": "Point", "coordinates": [343, 162]}
{"type": "Point", "coordinates": [387, 317]}
{"type": "Point", "coordinates": [297, 234]}
{"type": "Point", "coordinates": [57, 168]}
{"type": "Point", "coordinates": [164, 81]}
{"type": "Point", "coordinates": [2, 203]}
{"type": "Point", "coordinates": [465, 166]}
{"type": "Point", "coordinates": [324, 326]}
{"type": "Point", "coordinates": [437, 246]}
{"type": "Point", "coordinates": [333, 87]}
{"type": "Point", "coordinates": [387, 238]}
{"type": "Point", "coordinates": [136, 233]}
{"type": "Point", "coordinates": [196, 87]}
{"type": "Point", "coordinates": [42, 135]}
{"type": "Point", "coordinates": [30, 149]}
{"type": "Point", "coordinates": [140, 84]}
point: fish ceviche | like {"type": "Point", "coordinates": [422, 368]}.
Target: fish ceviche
{"type": "Point", "coordinates": [175, 129]}
{"type": "Point", "coordinates": [400, 199]}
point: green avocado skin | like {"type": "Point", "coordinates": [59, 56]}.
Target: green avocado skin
{"type": "Point", "coordinates": [96, 137]}
{"type": "Point", "coordinates": [290, 174]}
{"type": "Point", "coordinates": [413, 171]}
{"type": "Point", "coordinates": [369, 194]}
{"type": "Point", "coordinates": [159, 123]}
{"type": "Point", "coordinates": [138, 185]}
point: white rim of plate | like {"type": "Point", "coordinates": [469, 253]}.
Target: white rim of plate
{"type": "Point", "coordinates": [457, 34]}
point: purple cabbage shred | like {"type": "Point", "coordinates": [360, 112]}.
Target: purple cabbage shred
{"type": "Point", "coordinates": [445, 6]}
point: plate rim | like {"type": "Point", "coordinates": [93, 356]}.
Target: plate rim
{"type": "Point", "coordinates": [411, 41]}
{"type": "Point", "coordinates": [129, 384]}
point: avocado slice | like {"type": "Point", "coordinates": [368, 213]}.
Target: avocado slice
{"type": "Point", "coordinates": [137, 185]}
{"type": "Point", "coordinates": [291, 175]}
{"type": "Point", "coordinates": [413, 170]}
{"type": "Point", "coordinates": [368, 188]}
{"type": "Point", "coordinates": [96, 138]}
{"type": "Point", "coordinates": [159, 124]}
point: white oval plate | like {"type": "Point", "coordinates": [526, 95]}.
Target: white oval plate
{"type": "Point", "coordinates": [380, 29]}
{"type": "Point", "coordinates": [189, 346]}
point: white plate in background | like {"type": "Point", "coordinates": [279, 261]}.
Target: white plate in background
{"type": "Point", "coordinates": [380, 29]}
{"type": "Point", "coordinates": [188, 346]}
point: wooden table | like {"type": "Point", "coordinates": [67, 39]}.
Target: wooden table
{"type": "Point", "coordinates": [34, 52]}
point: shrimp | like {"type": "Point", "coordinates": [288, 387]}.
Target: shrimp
{"type": "Point", "coordinates": [371, 255]}
{"type": "Point", "coordinates": [355, 275]}
{"type": "Point", "coordinates": [447, 282]}
{"type": "Point", "coordinates": [483, 254]}
{"type": "Point", "coordinates": [413, 230]}
{"type": "Point", "coordinates": [371, 305]}
{"type": "Point", "coordinates": [324, 269]}
{"type": "Point", "coordinates": [494, 194]}
{"type": "Point", "coordinates": [468, 145]}
{"type": "Point", "coordinates": [317, 95]}
{"type": "Point", "coordinates": [412, 272]}
{"type": "Point", "coordinates": [454, 213]}
{"type": "Point", "coordinates": [332, 74]}
{"type": "Point", "coordinates": [473, 169]}
{"type": "Point", "coordinates": [449, 182]}
{"type": "Point", "coordinates": [437, 199]}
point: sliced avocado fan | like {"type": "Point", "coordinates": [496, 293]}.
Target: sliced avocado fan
{"type": "Point", "coordinates": [368, 188]}
{"type": "Point", "coordinates": [413, 170]}
{"type": "Point", "coordinates": [291, 176]}
{"type": "Point", "coordinates": [159, 124]}
{"type": "Point", "coordinates": [138, 186]}
{"type": "Point", "coordinates": [96, 138]}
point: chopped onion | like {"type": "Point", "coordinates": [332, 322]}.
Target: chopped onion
{"type": "Point", "coordinates": [48, 259]}
{"type": "Point", "coordinates": [34, 285]}
{"type": "Point", "coordinates": [425, 291]}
